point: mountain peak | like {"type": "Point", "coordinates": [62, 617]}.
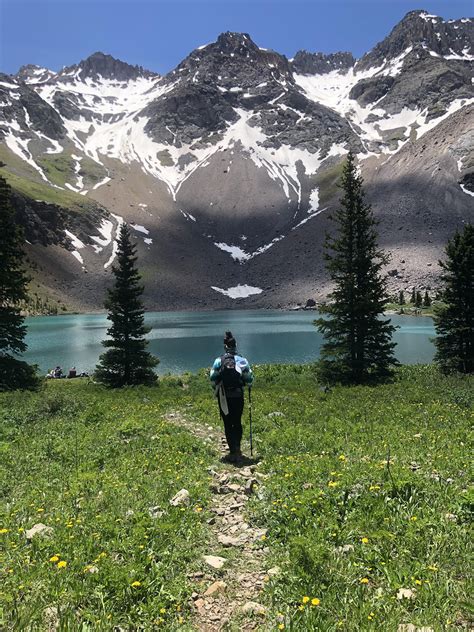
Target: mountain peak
{"type": "Point", "coordinates": [421, 29]}
{"type": "Point", "coordinates": [235, 42]}
{"type": "Point", "coordinates": [102, 65]}
{"type": "Point", "coordinates": [31, 73]}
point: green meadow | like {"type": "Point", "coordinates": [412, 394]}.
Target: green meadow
{"type": "Point", "coordinates": [365, 495]}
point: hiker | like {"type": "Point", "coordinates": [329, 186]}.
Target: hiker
{"type": "Point", "coordinates": [57, 373]}
{"type": "Point", "coordinates": [229, 374]}
{"type": "Point", "coordinates": [72, 373]}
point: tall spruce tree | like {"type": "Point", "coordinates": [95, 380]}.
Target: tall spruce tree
{"type": "Point", "coordinates": [454, 321]}
{"type": "Point", "coordinates": [126, 361]}
{"type": "Point", "coordinates": [14, 373]}
{"type": "Point", "coordinates": [358, 346]}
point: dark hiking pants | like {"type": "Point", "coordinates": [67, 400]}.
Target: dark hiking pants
{"type": "Point", "coordinates": [233, 422]}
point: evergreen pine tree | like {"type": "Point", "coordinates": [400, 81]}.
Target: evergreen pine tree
{"type": "Point", "coordinates": [418, 299]}
{"type": "Point", "coordinates": [454, 321]}
{"type": "Point", "coordinates": [426, 299]}
{"type": "Point", "coordinates": [126, 361]}
{"type": "Point", "coordinates": [358, 346]}
{"type": "Point", "coordinates": [401, 298]}
{"type": "Point", "coordinates": [413, 296]}
{"type": "Point", "coordinates": [13, 292]}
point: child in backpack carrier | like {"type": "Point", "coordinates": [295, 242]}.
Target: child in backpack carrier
{"type": "Point", "coordinates": [229, 374]}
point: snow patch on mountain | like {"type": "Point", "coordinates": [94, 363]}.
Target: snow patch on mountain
{"type": "Point", "coordinates": [238, 291]}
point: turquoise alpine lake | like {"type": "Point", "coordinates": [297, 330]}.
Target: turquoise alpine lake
{"type": "Point", "coordinates": [188, 341]}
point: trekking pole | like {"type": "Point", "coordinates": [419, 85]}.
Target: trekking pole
{"type": "Point", "coordinates": [250, 422]}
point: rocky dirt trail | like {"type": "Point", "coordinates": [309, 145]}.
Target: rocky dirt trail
{"type": "Point", "coordinates": [227, 594]}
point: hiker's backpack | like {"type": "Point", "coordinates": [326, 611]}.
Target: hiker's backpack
{"type": "Point", "coordinates": [230, 376]}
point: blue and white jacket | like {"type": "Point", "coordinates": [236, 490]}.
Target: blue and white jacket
{"type": "Point", "coordinates": [241, 364]}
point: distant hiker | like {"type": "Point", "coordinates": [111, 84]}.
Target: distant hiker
{"type": "Point", "coordinates": [229, 374]}
{"type": "Point", "coordinates": [57, 373]}
{"type": "Point", "coordinates": [72, 372]}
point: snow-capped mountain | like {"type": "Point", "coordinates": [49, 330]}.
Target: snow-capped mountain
{"type": "Point", "coordinates": [227, 167]}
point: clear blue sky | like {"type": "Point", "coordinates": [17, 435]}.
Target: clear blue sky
{"type": "Point", "coordinates": [158, 34]}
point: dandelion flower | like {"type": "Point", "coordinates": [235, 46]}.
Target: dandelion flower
{"type": "Point", "coordinates": [198, 509]}
{"type": "Point", "coordinates": [364, 580]}
{"type": "Point", "coordinates": [315, 601]}
{"type": "Point", "coordinates": [305, 599]}
{"type": "Point", "coordinates": [162, 610]}
{"type": "Point", "coordinates": [364, 540]}
{"type": "Point", "coordinates": [55, 558]}
{"type": "Point", "coordinates": [62, 564]}
{"type": "Point", "coordinates": [136, 584]}
{"type": "Point", "coordinates": [281, 626]}
{"type": "Point", "coordinates": [333, 484]}
{"type": "Point", "coordinates": [342, 457]}
{"type": "Point", "coordinates": [3, 530]}
{"type": "Point", "coordinates": [413, 518]}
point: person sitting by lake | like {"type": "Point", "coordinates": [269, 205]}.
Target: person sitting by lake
{"type": "Point", "coordinates": [229, 374]}
{"type": "Point", "coordinates": [57, 373]}
{"type": "Point", "coordinates": [72, 373]}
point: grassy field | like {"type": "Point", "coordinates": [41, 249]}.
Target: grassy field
{"type": "Point", "coordinates": [366, 501]}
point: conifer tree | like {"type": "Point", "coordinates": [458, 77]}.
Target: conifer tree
{"type": "Point", "coordinates": [126, 360]}
{"type": "Point", "coordinates": [358, 346]}
{"type": "Point", "coordinates": [418, 299]}
{"type": "Point", "coordinates": [13, 292]}
{"type": "Point", "coordinates": [413, 296]}
{"type": "Point", "coordinates": [401, 298]}
{"type": "Point", "coordinates": [454, 320]}
{"type": "Point", "coordinates": [426, 299]}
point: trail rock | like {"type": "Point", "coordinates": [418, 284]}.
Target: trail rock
{"type": "Point", "coordinates": [38, 529]}
{"type": "Point", "coordinates": [227, 540]}
{"type": "Point", "coordinates": [155, 512]}
{"type": "Point", "coordinates": [214, 561]}
{"type": "Point", "coordinates": [200, 605]}
{"type": "Point", "coordinates": [250, 486]}
{"type": "Point", "coordinates": [181, 498]}
{"type": "Point", "coordinates": [215, 589]}
{"type": "Point", "coordinates": [406, 593]}
{"type": "Point", "coordinates": [276, 570]}
{"type": "Point", "coordinates": [252, 607]}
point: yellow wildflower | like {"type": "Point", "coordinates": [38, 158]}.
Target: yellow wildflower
{"type": "Point", "coordinates": [364, 540]}
{"type": "Point", "coordinates": [55, 558]}
{"type": "Point", "coordinates": [136, 584]}
{"type": "Point", "coordinates": [433, 568]}
{"type": "Point", "coordinates": [333, 484]}
{"type": "Point", "coordinates": [315, 601]}
{"type": "Point", "coordinates": [413, 518]}
{"type": "Point", "coordinates": [162, 610]}
{"type": "Point", "coordinates": [198, 509]}
{"type": "Point", "coordinates": [281, 626]}
{"type": "Point", "coordinates": [364, 580]}
{"type": "Point", "coordinates": [62, 564]}
{"type": "Point", "coordinates": [3, 530]}
{"type": "Point", "coordinates": [305, 599]}
{"type": "Point", "coordinates": [342, 457]}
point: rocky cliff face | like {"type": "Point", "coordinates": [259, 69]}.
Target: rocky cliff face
{"type": "Point", "coordinates": [227, 167]}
